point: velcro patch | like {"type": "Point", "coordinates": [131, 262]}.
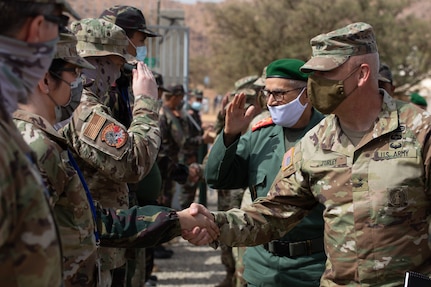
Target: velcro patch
{"type": "Point", "coordinates": [114, 135]}
{"type": "Point", "coordinates": [288, 159]}
{"type": "Point", "coordinates": [94, 126]}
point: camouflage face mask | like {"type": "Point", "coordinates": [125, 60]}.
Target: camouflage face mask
{"type": "Point", "coordinates": [104, 75]}
{"type": "Point", "coordinates": [325, 94]}
{"type": "Point", "coordinates": [23, 65]}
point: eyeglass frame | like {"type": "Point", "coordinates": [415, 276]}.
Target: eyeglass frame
{"type": "Point", "coordinates": [278, 94]}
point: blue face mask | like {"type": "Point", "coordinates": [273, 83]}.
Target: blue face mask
{"type": "Point", "coordinates": [196, 106]}
{"type": "Point", "coordinates": [141, 53]}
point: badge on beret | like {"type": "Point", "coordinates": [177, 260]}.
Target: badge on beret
{"type": "Point", "coordinates": [114, 135]}
{"type": "Point", "coordinates": [288, 159]}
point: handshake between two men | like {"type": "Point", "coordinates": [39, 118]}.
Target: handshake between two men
{"type": "Point", "coordinates": [197, 225]}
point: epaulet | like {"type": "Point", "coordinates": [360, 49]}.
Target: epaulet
{"type": "Point", "coordinates": [263, 123]}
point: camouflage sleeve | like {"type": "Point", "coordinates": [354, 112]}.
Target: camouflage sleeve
{"type": "Point", "coordinates": [269, 218]}
{"type": "Point", "coordinates": [126, 155]}
{"type": "Point", "coordinates": [138, 227]}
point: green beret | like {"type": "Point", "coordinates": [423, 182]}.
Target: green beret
{"type": "Point", "coordinates": [286, 69]}
{"type": "Point", "coordinates": [417, 99]}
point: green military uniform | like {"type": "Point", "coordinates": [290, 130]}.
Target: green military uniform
{"type": "Point", "coordinates": [110, 155]}
{"type": "Point", "coordinates": [253, 161]}
{"type": "Point", "coordinates": [375, 229]}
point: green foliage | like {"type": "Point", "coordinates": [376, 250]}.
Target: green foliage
{"type": "Point", "coordinates": [247, 35]}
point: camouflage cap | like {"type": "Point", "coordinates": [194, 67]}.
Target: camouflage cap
{"type": "Point", "coordinates": [331, 50]}
{"type": "Point", "coordinates": [246, 82]}
{"type": "Point", "coordinates": [97, 37]}
{"type": "Point", "coordinates": [127, 17]}
{"type": "Point", "coordinates": [260, 82]}
{"type": "Point", "coordinates": [250, 94]}
{"type": "Point", "coordinates": [66, 6]}
{"type": "Point", "coordinates": [385, 74]}
{"type": "Point", "coordinates": [66, 50]}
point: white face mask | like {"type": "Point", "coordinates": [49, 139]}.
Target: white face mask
{"type": "Point", "coordinates": [287, 115]}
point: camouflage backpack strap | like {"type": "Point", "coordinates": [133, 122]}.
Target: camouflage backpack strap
{"type": "Point", "coordinates": [263, 123]}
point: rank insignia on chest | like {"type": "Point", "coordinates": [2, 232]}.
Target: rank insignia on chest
{"type": "Point", "coordinates": [114, 135]}
{"type": "Point", "coordinates": [288, 159]}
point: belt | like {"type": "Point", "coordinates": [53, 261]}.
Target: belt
{"type": "Point", "coordinates": [295, 249]}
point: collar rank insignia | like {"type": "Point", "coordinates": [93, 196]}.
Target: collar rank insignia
{"type": "Point", "coordinates": [114, 135]}
{"type": "Point", "coordinates": [262, 123]}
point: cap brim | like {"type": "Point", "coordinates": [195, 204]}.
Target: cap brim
{"type": "Point", "coordinates": [383, 79]}
{"type": "Point", "coordinates": [68, 9]}
{"type": "Point", "coordinates": [323, 64]}
{"type": "Point", "coordinates": [80, 62]}
{"type": "Point", "coordinates": [149, 33]}
{"type": "Point", "coordinates": [259, 82]}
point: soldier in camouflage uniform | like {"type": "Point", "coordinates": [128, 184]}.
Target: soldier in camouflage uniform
{"type": "Point", "coordinates": [120, 99]}
{"type": "Point", "coordinates": [30, 252]}
{"type": "Point", "coordinates": [368, 163]}
{"type": "Point", "coordinates": [174, 129]}
{"type": "Point", "coordinates": [195, 147]}
{"type": "Point", "coordinates": [72, 213]}
{"type": "Point", "coordinates": [110, 154]}
{"type": "Point", "coordinates": [53, 101]}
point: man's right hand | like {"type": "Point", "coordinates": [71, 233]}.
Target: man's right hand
{"type": "Point", "coordinates": [237, 118]}
{"type": "Point", "coordinates": [143, 81]}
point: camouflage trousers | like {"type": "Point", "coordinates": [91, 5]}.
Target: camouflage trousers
{"type": "Point", "coordinates": [231, 258]}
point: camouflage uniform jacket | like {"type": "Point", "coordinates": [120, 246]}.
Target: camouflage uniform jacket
{"type": "Point", "coordinates": [174, 131]}
{"type": "Point", "coordinates": [111, 155]}
{"type": "Point", "coordinates": [30, 252]}
{"type": "Point", "coordinates": [253, 161]}
{"type": "Point", "coordinates": [195, 132]}
{"type": "Point", "coordinates": [136, 227]}
{"type": "Point", "coordinates": [376, 197]}
{"type": "Point", "coordinates": [70, 204]}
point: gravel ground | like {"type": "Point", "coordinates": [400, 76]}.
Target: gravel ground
{"type": "Point", "coordinates": [190, 266]}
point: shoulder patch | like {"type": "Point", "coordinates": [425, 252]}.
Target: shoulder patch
{"type": "Point", "coordinates": [94, 126]}
{"type": "Point", "coordinates": [288, 159]}
{"type": "Point", "coordinates": [114, 135]}
{"type": "Point", "coordinates": [263, 123]}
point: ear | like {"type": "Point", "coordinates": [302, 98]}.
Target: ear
{"type": "Point", "coordinates": [364, 74]}
{"type": "Point", "coordinates": [43, 84]}
{"type": "Point", "coordinates": [34, 29]}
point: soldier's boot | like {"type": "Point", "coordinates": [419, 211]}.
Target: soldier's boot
{"type": "Point", "coordinates": [228, 281]}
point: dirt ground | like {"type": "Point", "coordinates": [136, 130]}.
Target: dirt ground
{"type": "Point", "coordinates": [191, 266]}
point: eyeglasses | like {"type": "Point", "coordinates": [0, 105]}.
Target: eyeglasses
{"type": "Point", "coordinates": [60, 20]}
{"type": "Point", "coordinates": [278, 94]}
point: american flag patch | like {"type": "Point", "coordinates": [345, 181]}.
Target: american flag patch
{"type": "Point", "coordinates": [288, 159]}
{"type": "Point", "coordinates": [94, 126]}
